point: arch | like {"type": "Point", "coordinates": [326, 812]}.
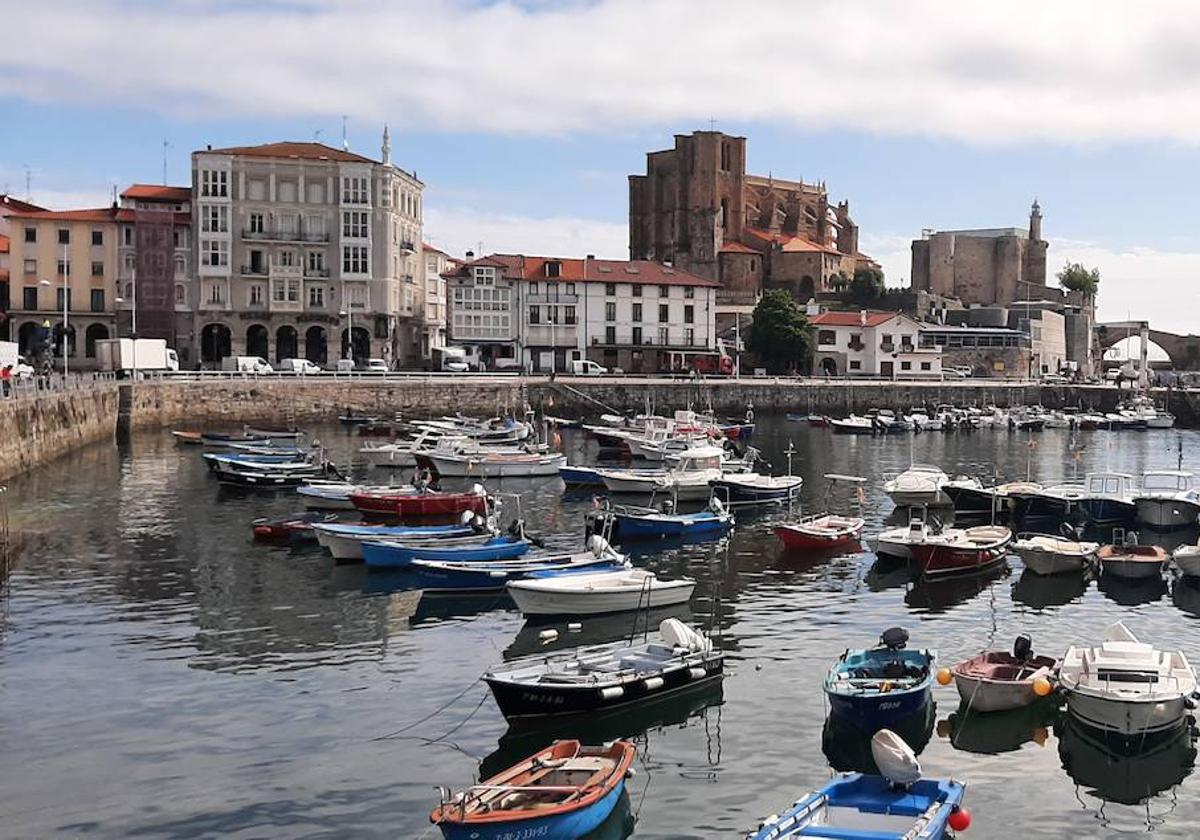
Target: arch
{"type": "Point", "coordinates": [91, 335]}
{"type": "Point", "coordinates": [362, 344]}
{"type": "Point", "coordinates": [286, 343]}
{"type": "Point", "coordinates": [316, 348]}
{"type": "Point", "coordinates": [829, 366]}
{"type": "Point", "coordinates": [216, 342]}
{"type": "Point", "coordinates": [57, 340]}
{"type": "Point", "coordinates": [28, 339]}
{"type": "Point", "coordinates": [257, 341]}
{"type": "Point", "coordinates": [807, 289]}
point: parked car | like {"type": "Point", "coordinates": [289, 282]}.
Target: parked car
{"type": "Point", "coordinates": [343, 365]}
{"type": "Point", "coordinates": [377, 366]}
{"type": "Point", "coordinates": [585, 367]}
{"type": "Point", "coordinates": [298, 366]}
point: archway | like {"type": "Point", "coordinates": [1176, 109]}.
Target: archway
{"type": "Point", "coordinates": [829, 366]}
{"type": "Point", "coordinates": [285, 343]}
{"type": "Point", "coordinates": [315, 345]}
{"type": "Point", "coordinates": [806, 290]}
{"type": "Point", "coordinates": [362, 344]}
{"type": "Point", "coordinates": [27, 339]}
{"type": "Point", "coordinates": [256, 341]}
{"type": "Point", "coordinates": [91, 335]}
{"type": "Point", "coordinates": [216, 342]}
{"type": "Point", "coordinates": [57, 340]}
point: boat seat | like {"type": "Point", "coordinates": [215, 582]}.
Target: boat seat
{"type": "Point", "coordinates": [641, 663]}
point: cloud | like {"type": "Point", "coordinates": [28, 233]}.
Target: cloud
{"type": "Point", "coordinates": [457, 230]}
{"type": "Point", "coordinates": [1072, 71]}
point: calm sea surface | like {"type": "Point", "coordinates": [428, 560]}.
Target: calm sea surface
{"type": "Point", "coordinates": [161, 675]}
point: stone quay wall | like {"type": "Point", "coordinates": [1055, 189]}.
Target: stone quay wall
{"type": "Point", "coordinates": [40, 427]}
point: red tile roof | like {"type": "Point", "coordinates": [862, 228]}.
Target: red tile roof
{"type": "Point", "coordinates": [738, 248]}
{"type": "Point", "coordinates": [154, 192]}
{"type": "Point", "coordinates": [291, 149]}
{"type": "Point", "coordinates": [791, 243]}
{"type": "Point", "coordinates": [100, 214]}
{"type": "Point", "coordinates": [590, 271]}
{"type": "Point", "coordinates": [851, 319]}
{"type": "Point", "coordinates": [8, 204]}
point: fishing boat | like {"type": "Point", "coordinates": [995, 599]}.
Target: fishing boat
{"type": "Point", "coordinates": [1125, 558]}
{"type": "Point", "coordinates": [1187, 559]}
{"type": "Point", "coordinates": [687, 481]}
{"type": "Point", "coordinates": [344, 541]}
{"type": "Point", "coordinates": [1168, 499]}
{"type": "Point", "coordinates": [417, 502]}
{"type": "Point", "coordinates": [266, 458]}
{"type": "Point", "coordinates": [633, 522]}
{"type": "Point", "coordinates": [897, 804]}
{"type": "Point", "coordinates": [751, 488]}
{"type": "Point", "coordinates": [273, 432]}
{"type": "Point", "coordinates": [489, 464]}
{"type": "Point", "coordinates": [603, 677]}
{"type": "Point", "coordinates": [1126, 687]}
{"type": "Point", "coordinates": [1108, 498]}
{"type": "Point", "coordinates": [1047, 554]}
{"type": "Point", "coordinates": [184, 438]}
{"type": "Point", "coordinates": [562, 793]}
{"type": "Point", "coordinates": [295, 528]}
{"type": "Point", "coordinates": [958, 552]}
{"type": "Point", "coordinates": [574, 476]}
{"type": "Point", "coordinates": [598, 593]}
{"type": "Point", "coordinates": [399, 553]}
{"type": "Point", "coordinates": [875, 687]}
{"type": "Point", "coordinates": [919, 485]}
{"type": "Point", "coordinates": [853, 425]}
{"type": "Point", "coordinates": [996, 680]}
{"type": "Point", "coordinates": [468, 576]}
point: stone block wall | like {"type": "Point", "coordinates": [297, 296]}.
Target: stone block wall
{"type": "Point", "coordinates": [39, 429]}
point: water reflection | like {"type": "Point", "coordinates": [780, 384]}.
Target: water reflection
{"type": "Point", "coordinates": [848, 749]}
{"type": "Point", "coordinates": [1043, 591]}
{"type": "Point", "coordinates": [1185, 593]}
{"type": "Point", "coordinates": [1131, 593]}
{"type": "Point", "coordinates": [942, 594]}
{"type": "Point", "coordinates": [592, 630]}
{"type": "Point", "coordinates": [991, 733]}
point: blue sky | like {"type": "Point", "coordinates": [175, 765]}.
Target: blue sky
{"type": "Point", "coordinates": [524, 120]}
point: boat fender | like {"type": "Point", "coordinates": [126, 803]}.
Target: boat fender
{"type": "Point", "coordinates": [467, 517]}
{"type": "Point", "coordinates": [574, 627]}
{"type": "Point", "coordinates": [477, 489]}
{"type": "Point", "coordinates": [697, 673]}
{"type": "Point", "coordinates": [548, 635]}
{"type": "Point", "coordinates": [653, 683]}
{"type": "Point", "coordinates": [611, 693]}
{"type": "Point", "coordinates": [630, 773]}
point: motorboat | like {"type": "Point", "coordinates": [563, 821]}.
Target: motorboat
{"type": "Point", "coordinates": [751, 488]}
{"type": "Point", "coordinates": [186, 438]}
{"type": "Point", "coordinates": [962, 551]}
{"type": "Point", "coordinates": [1108, 498]}
{"type": "Point", "coordinates": [576, 476]}
{"type": "Point", "coordinates": [1131, 561]}
{"type": "Point", "coordinates": [417, 502]}
{"type": "Point", "coordinates": [274, 432]}
{"type": "Point", "coordinates": [334, 495]}
{"type": "Point", "coordinates": [258, 460]}
{"type": "Point", "coordinates": [222, 439]}
{"type": "Point", "coordinates": [602, 677]}
{"type": "Point", "coordinates": [1055, 501]}
{"type": "Point", "coordinates": [1168, 499]}
{"type": "Point", "coordinates": [598, 593]}
{"type": "Point", "coordinates": [403, 453]}
{"type": "Point", "coordinates": [470, 576]}
{"type": "Point", "coordinates": [875, 687]}
{"type": "Point", "coordinates": [919, 485]}
{"type": "Point", "coordinates": [853, 425]}
{"type": "Point", "coordinates": [400, 553]}
{"type": "Point", "coordinates": [632, 522]}
{"type": "Point", "coordinates": [968, 495]}
{"type": "Point", "coordinates": [1047, 554]}
{"type": "Point", "coordinates": [688, 481]}
{"type": "Point", "coordinates": [996, 681]}
{"type": "Point", "coordinates": [898, 542]}
{"type": "Point", "coordinates": [1187, 559]}
{"type": "Point", "coordinates": [897, 804]}
{"type": "Point", "coordinates": [489, 464]}
{"type": "Point", "coordinates": [295, 528]}
{"type": "Point", "coordinates": [344, 541]}
{"type": "Point", "coordinates": [563, 792]}
{"type": "Point", "coordinates": [1125, 686]}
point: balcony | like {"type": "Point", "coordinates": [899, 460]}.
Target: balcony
{"type": "Point", "coordinates": [856, 346]}
{"type": "Point", "coordinates": [283, 236]}
{"type": "Point", "coordinates": [211, 305]}
{"type": "Point", "coordinates": [406, 246]}
{"type": "Point", "coordinates": [254, 270]}
{"type": "Point", "coordinates": [317, 273]}
{"type": "Point", "coordinates": [887, 346]}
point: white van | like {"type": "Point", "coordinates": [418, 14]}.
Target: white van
{"type": "Point", "coordinates": [377, 366]}
{"type": "Point", "coordinates": [298, 366]}
{"type": "Point", "coordinates": [246, 364]}
{"type": "Point", "coordinates": [585, 367]}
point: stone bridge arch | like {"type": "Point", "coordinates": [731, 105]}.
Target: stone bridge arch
{"type": "Point", "coordinates": [1183, 350]}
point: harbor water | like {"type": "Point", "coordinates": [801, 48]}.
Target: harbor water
{"type": "Point", "coordinates": [161, 675]}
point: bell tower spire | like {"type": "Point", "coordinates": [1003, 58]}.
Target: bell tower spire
{"type": "Point", "coordinates": [1035, 222]}
{"type": "Point", "coordinates": [387, 145]}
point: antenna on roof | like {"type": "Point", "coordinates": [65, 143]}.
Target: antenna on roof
{"type": "Point", "coordinates": [28, 183]}
{"type": "Point", "coordinates": [345, 139]}
{"type": "Point", "coordinates": [115, 194]}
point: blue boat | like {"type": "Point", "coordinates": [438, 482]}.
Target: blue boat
{"type": "Point", "coordinates": [629, 522]}
{"type": "Point", "coordinates": [880, 686]}
{"type": "Point", "coordinates": [460, 576]}
{"type": "Point", "coordinates": [214, 458]}
{"type": "Point", "coordinates": [580, 476]}
{"type": "Point", "coordinates": [394, 554]}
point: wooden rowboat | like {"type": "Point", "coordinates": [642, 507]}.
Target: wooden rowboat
{"type": "Point", "coordinates": [826, 530]}
{"type": "Point", "coordinates": [187, 438]}
{"type": "Point", "coordinates": [997, 680]}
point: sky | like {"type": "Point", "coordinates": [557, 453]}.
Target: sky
{"type": "Point", "coordinates": [524, 119]}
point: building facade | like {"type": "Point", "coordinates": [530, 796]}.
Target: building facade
{"type": "Point", "coordinates": [878, 344]}
{"type": "Point", "coordinates": [8, 206]}
{"type": "Point", "coordinates": [306, 251]}
{"type": "Point", "coordinates": [436, 264]}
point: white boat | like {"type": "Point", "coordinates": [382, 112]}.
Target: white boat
{"type": "Point", "coordinates": [1168, 499]}
{"type": "Point", "coordinates": [688, 481]}
{"type": "Point", "coordinates": [1108, 498]}
{"type": "Point", "coordinates": [853, 425]}
{"type": "Point", "coordinates": [919, 485]}
{"type": "Point", "coordinates": [592, 593]}
{"type": "Point", "coordinates": [403, 453]}
{"type": "Point", "coordinates": [1187, 559]}
{"type": "Point", "coordinates": [1046, 554]}
{"type": "Point", "coordinates": [1125, 686]}
{"type": "Point", "coordinates": [486, 463]}
{"type": "Point", "coordinates": [898, 542]}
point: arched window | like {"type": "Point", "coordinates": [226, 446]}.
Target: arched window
{"type": "Point", "coordinates": [94, 333]}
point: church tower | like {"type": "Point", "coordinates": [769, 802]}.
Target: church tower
{"type": "Point", "coordinates": [1035, 222]}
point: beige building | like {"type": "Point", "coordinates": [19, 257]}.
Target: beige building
{"type": "Point", "coordinates": [437, 263]}
{"type": "Point", "coordinates": [303, 250]}
{"type": "Point", "coordinates": [71, 253]}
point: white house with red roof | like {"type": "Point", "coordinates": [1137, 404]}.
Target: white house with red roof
{"type": "Point", "coordinates": [878, 344]}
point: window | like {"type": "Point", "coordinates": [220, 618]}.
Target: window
{"type": "Point", "coordinates": [664, 291]}
{"type": "Point", "coordinates": [180, 267]}
{"type": "Point", "coordinates": [552, 314]}
{"type": "Point", "coordinates": [610, 335]}
{"type": "Point", "coordinates": [689, 337]}
{"type": "Point", "coordinates": [214, 183]}
{"type": "Point", "coordinates": [97, 300]}
{"type": "Point", "coordinates": [610, 311]}
{"type": "Point", "coordinates": [285, 191]}
{"type": "Point", "coordinates": [664, 313]}
{"type": "Point", "coordinates": [64, 236]}
{"type": "Point", "coordinates": [610, 289]}
{"type": "Point", "coordinates": [753, 265]}
{"type": "Point", "coordinates": [855, 364]}
{"type": "Point", "coordinates": [553, 268]}
{"type": "Point", "coordinates": [534, 314]}
{"type": "Point", "coordinates": [354, 259]}
{"type": "Point", "coordinates": [826, 337]}
{"type": "Point", "coordinates": [214, 252]}
{"type": "Point", "coordinates": [255, 294]}
{"type": "Point", "coordinates": [58, 298]}
{"type": "Point", "coordinates": [31, 266]}
{"type": "Point", "coordinates": [485, 275]}
{"type": "Point", "coordinates": [533, 288]}
{"type": "Point", "coordinates": [216, 293]}
{"type": "Point", "coordinates": [568, 314]}
{"type": "Point", "coordinates": [926, 366]}
{"type": "Point", "coordinates": [689, 315]}
{"type": "Point", "coordinates": [97, 237]}
{"type": "Point", "coordinates": [354, 224]}
{"type": "Point", "coordinates": [29, 297]}
{"type": "Point", "coordinates": [127, 235]}
{"type": "Point", "coordinates": [316, 262]}
{"type": "Point", "coordinates": [637, 313]}
{"type": "Point", "coordinates": [214, 218]}
{"type": "Point", "coordinates": [256, 223]}
{"type": "Point", "coordinates": [354, 190]}
{"type": "Point", "coordinates": [287, 259]}
{"type": "Point", "coordinates": [316, 296]}
{"type": "Point", "coordinates": [356, 297]}
{"type": "Point", "coordinates": [64, 267]}
{"type": "Point", "coordinates": [285, 290]}
{"type": "Point", "coordinates": [570, 289]}
{"type": "Point", "coordinates": [637, 335]}
{"type": "Point", "coordinates": [689, 292]}
{"type": "Point", "coordinates": [635, 290]}
{"type": "Point", "coordinates": [97, 269]}
{"type": "Point", "coordinates": [180, 295]}
{"type": "Point", "coordinates": [664, 336]}
{"type": "Point", "coordinates": [31, 234]}
{"type": "Point", "coordinates": [906, 366]}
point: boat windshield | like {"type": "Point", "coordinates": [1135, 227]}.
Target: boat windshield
{"type": "Point", "coordinates": [1165, 481]}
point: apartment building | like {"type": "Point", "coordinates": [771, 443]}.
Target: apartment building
{"type": "Point", "coordinates": [305, 250]}
{"type": "Point", "coordinates": [882, 344]}
{"type": "Point", "coordinates": [437, 264]}
{"type": "Point", "coordinates": [8, 205]}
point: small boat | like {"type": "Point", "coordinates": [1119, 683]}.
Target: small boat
{"type": "Point", "coordinates": [274, 432]}
{"type": "Point", "coordinates": [957, 552]}
{"type": "Point", "coordinates": [898, 542]}
{"type": "Point", "coordinates": [603, 677]}
{"type": "Point", "coordinates": [224, 439]}
{"type": "Point", "coordinates": [598, 593]}
{"type": "Point", "coordinates": [334, 495]}
{"type": "Point", "coordinates": [352, 419]}
{"type": "Point", "coordinates": [1125, 686]}
{"type": "Point", "coordinates": [398, 554]}
{"type": "Point", "coordinates": [968, 495]}
{"type": "Point", "coordinates": [187, 438]}
{"type": "Point", "coordinates": [466, 576]}
{"type": "Point", "coordinates": [1047, 554]}
{"type": "Point", "coordinates": [344, 542]}
{"type": "Point", "coordinates": [580, 476]}
{"type": "Point", "coordinates": [996, 681]}
{"type": "Point", "coordinates": [687, 481]}
{"type": "Point", "coordinates": [853, 425]}
{"type": "Point", "coordinates": [1168, 499]}
{"type": "Point", "coordinates": [631, 522]}
{"type": "Point", "coordinates": [738, 431]}
{"type": "Point", "coordinates": [418, 502]}
{"type": "Point", "coordinates": [1055, 501]}
{"type": "Point", "coordinates": [743, 489]}
{"type": "Point", "coordinates": [919, 485]}
{"type": "Point", "coordinates": [295, 528]}
{"type": "Point", "coordinates": [1108, 498]}
{"type": "Point", "coordinates": [488, 464]}
{"type": "Point", "coordinates": [561, 793]}
{"type": "Point", "coordinates": [1187, 559]}
{"type": "Point", "coordinates": [1131, 561]}
{"type": "Point", "coordinates": [820, 531]}
{"type": "Point", "coordinates": [876, 687]}
{"type": "Point", "coordinates": [279, 460]}
{"type": "Point", "coordinates": [895, 805]}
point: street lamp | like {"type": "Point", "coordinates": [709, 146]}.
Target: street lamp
{"type": "Point", "coordinates": [133, 325]}
{"type": "Point", "coordinates": [66, 300]}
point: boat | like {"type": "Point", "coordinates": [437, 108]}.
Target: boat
{"type": "Point", "coordinates": [344, 541]}
{"type": "Point", "coordinates": [584, 680]}
{"type": "Point", "coordinates": [1056, 501]}
{"type": "Point", "coordinates": [467, 576]}
{"type": "Point", "coordinates": [1127, 559]}
{"type": "Point", "coordinates": [272, 459]}
{"type": "Point", "coordinates": [898, 542]}
{"type": "Point", "coordinates": [418, 502]}
{"type": "Point", "coordinates": [294, 528]}
{"type": "Point", "coordinates": [273, 432]}
{"type": "Point", "coordinates": [1047, 554]}
{"type": "Point", "coordinates": [996, 680]}
{"type": "Point", "coordinates": [399, 553]}
{"type": "Point", "coordinates": [1108, 498]}
{"type": "Point", "coordinates": [853, 425]}
{"type": "Point", "coordinates": [897, 804]}
{"type": "Point", "coordinates": [876, 687]}
{"type": "Point", "coordinates": [489, 464]}
{"type": "Point", "coordinates": [598, 593]}
{"type": "Point", "coordinates": [352, 419]}
{"type": "Point", "coordinates": [968, 495]}
{"type": "Point", "coordinates": [563, 792]}
{"type": "Point", "coordinates": [751, 488]}
{"type": "Point", "coordinates": [633, 522]}
{"type": "Point", "coordinates": [224, 438]}
{"type": "Point", "coordinates": [823, 531]}
{"type": "Point", "coordinates": [687, 481]}
{"type": "Point", "coordinates": [185, 438]}
{"type": "Point", "coordinates": [574, 476]}
{"type": "Point", "coordinates": [1187, 559]}
{"type": "Point", "coordinates": [919, 485]}
{"type": "Point", "coordinates": [957, 552]}
{"type": "Point", "coordinates": [1168, 499]}
{"type": "Point", "coordinates": [333, 495]}
{"type": "Point", "coordinates": [402, 453]}
{"type": "Point", "coordinates": [1126, 687]}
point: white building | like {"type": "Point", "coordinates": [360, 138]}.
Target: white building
{"type": "Point", "coordinates": [301, 246]}
{"type": "Point", "coordinates": [437, 263]}
{"type": "Point", "coordinates": [883, 344]}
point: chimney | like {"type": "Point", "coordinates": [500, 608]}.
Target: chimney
{"type": "Point", "coordinates": [208, 147]}
{"type": "Point", "coordinates": [591, 256]}
{"type": "Point", "coordinates": [470, 255]}
{"type": "Point", "coordinates": [862, 318]}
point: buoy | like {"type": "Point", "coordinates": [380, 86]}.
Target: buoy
{"type": "Point", "coordinates": [944, 676]}
{"type": "Point", "coordinates": [1042, 687]}
{"type": "Point", "coordinates": [960, 819]}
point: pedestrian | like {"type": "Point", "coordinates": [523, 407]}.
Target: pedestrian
{"type": "Point", "coordinates": [6, 379]}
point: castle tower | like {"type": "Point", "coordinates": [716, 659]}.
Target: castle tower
{"type": "Point", "coordinates": [1035, 222]}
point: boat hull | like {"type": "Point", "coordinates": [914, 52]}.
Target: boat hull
{"type": "Point", "coordinates": [971, 499]}
{"type": "Point", "coordinates": [936, 560]}
{"type": "Point", "coordinates": [1125, 717]}
{"type": "Point", "coordinates": [1167, 513]}
{"type": "Point", "coordinates": [567, 826]}
{"type": "Point", "coordinates": [378, 555]}
{"type": "Point", "coordinates": [540, 602]}
{"type": "Point", "coordinates": [1052, 562]}
{"type": "Point", "coordinates": [641, 527]}
{"type": "Point", "coordinates": [1187, 558]}
{"type": "Point", "coordinates": [1101, 511]}
{"type": "Point", "coordinates": [419, 504]}
{"type": "Point", "coordinates": [1132, 569]}
{"type": "Point", "coordinates": [739, 493]}
{"type": "Point", "coordinates": [348, 545]}
{"type": "Point", "coordinates": [872, 712]}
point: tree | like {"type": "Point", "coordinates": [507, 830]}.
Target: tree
{"type": "Point", "coordinates": [867, 285]}
{"type": "Point", "coordinates": [838, 282]}
{"type": "Point", "coordinates": [1075, 278]}
{"type": "Point", "coordinates": [779, 334]}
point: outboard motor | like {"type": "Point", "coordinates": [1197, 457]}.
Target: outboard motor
{"type": "Point", "coordinates": [1023, 647]}
{"type": "Point", "coordinates": [894, 638]}
{"type": "Point", "coordinates": [716, 506]}
{"type": "Point", "coordinates": [668, 506]}
{"type": "Point", "coordinates": [896, 761]}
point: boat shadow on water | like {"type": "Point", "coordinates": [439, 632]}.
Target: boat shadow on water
{"type": "Point", "coordinates": [1116, 770]}
{"type": "Point", "coordinates": [1042, 591]}
{"type": "Point", "coordinates": [1132, 593]}
{"type": "Point", "coordinates": [1185, 593]}
{"type": "Point", "coordinates": [990, 733]}
{"type": "Point", "coordinates": [848, 748]}
{"type": "Point", "coordinates": [941, 594]}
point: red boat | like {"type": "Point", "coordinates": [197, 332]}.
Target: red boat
{"type": "Point", "coordinates": [289, 528]}
{"type": "Point", "coordinates": [821, 531]}
{"type": "Point", "coordinates": [414, 502]}
{"type": "Point", "coordinates": [959, 552]}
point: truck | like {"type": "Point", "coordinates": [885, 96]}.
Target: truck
{"type": "Point", "coordinates": [246, 364]}
{"type": "Point", "coordinates": [452, 359]}
{"type": "Point", "coordinates": [10, 356]}
{"type": "Point", "coordinates": [127, 355]}
{"type": "Point", "coordinates": [712, 363]}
